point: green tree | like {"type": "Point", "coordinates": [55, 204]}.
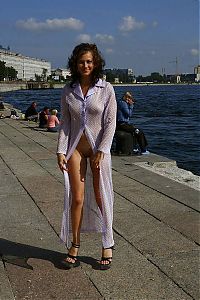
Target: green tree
{"type": "Point", "coordinates": [109, 76]}
{"type": "Point", "coordinates": [122, 77]}
{"type": "Point", "coordinates": [156, 77]}
{"type": "Point", "coordinates": [44, 74]}
{"type": "Point", "coordinates": [8, 73]}
{"type": "Point", "coordinates": [140, 78]}
{"type": "Point", "coordinates": [37, 77]}
{"type": "Point", "coordinates": [2, 70]}
{"type": "Point", "coordinates": [11, 73]}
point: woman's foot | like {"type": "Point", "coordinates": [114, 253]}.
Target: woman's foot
{"type": "Point", "coordinates": [71, 260]}
{"type": "Point", "coordinates": [106, 258]}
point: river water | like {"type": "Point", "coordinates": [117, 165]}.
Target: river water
{"type": "Point", "coordinates": [168, 115]}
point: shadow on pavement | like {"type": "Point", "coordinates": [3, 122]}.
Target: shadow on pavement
{"type": "Point", "coordinates": [18, 254]}
{"type": "Point", "coordinates": [94, 263]}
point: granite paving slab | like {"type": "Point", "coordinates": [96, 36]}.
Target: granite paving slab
{"type": "Point", "coordinates": [155, 228]}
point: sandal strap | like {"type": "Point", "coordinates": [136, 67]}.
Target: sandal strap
{"type": "Point", "coordinates": [106, 258]}
{"type": "Point", "coordinates": [113, 248]}
{"type": "Point", "coordinates": [75, 245]}
{"type": "Point", "coordinates": [72, 256]}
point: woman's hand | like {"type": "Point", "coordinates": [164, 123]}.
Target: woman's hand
{"type": "Point", "coordinates": [130, 101]}
{"type": "Point", "coordinates": [62, 162]}
{"type": "Point", "coordinates": [97, 158]}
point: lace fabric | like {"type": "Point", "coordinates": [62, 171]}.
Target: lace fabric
{"type": "Point", "coordinates": [94, 114]}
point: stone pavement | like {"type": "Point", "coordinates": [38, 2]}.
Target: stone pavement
{"type": "Point", "coordinates": [155, 226]}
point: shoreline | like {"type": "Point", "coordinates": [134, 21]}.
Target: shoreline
{"type": "Point", "coordinates": [166, 169]}
{"type": "Point", "coordinates": [14, 86]}
{"type": "Point", "coordinates": [152, 84]}
{"type": "Point", "coordinates": [172, 171]}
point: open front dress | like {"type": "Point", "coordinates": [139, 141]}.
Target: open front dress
{"type": "Point", "coordinates": [95, 115]}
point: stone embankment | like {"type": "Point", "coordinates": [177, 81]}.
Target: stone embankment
{"type": "Point", "coordinates": [156, 227]}
{"type": "Point", "coordinates": [9, 86]}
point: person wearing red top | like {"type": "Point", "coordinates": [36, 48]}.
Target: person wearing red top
{"type": "Point", "coordinates": [53, 122]}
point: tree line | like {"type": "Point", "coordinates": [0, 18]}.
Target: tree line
{"type": "Point", "coordinates": [7, 73]}
{"type": "Point", "coordinates": [124, 77]}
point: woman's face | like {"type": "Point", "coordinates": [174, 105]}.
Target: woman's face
{"type": "Point", "coordinates": [85, 64]}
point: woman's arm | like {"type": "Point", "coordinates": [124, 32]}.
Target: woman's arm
{"type": "Point", "coordinates": [126, 109]}
{"type": "Point", "coordinates": [63, 137]}
{"type": "Point", "coordinates": [109, 118]}
{"type": "Point", "coordinates": [57, 121]}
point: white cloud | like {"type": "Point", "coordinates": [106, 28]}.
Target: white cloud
{"type": "Point", "coordinates": [84, 38]}
{"type": "Point", "coordinates": [155, 24]}
{"type": "Point", "coordinates": [109, 50]}
{"type": "Point", "coordinates": [129, 23]}
{"type": "Point", "coordinates": [50, 24]}
{"type": "Point", "coordinates": [194, 52]}
{"type": "Point", "coordinates": [104, 38]}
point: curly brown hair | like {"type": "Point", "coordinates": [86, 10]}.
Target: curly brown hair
{"type": "Point", "coordinates": [99, 62]}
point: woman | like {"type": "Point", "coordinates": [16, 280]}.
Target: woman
{"type": "Point", "coordinates": [31, 113]}
{"type": "Point", "coordinates": [88, 108]}
{"type": "Point", "coordinates": [43, 117]}
{"type": "Point", "coordinates": [53, 122]}
{"type": "Point", "coordinates": [125, 109]}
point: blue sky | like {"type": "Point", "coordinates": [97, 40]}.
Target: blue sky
{"type": "Point", "coordinates": [145, 35]}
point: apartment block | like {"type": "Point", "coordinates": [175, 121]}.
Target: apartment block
{"type": "Point", "coordinates": [27, 67]}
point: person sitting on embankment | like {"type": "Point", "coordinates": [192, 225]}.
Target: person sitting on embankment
{"type": "Point", "coordinates": [125, 108]}
{"type": "Point", "coordinates": [43, 117]}
{"type": "Point", "coordinates": [31, 113]}
{"type": "Point", "coordinates": [53, 122]}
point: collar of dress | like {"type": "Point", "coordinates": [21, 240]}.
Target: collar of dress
{"type": "Point", "coordinates": [77, 88]}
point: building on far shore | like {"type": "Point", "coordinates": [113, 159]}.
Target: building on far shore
{"type": "Point", "coordinates": [28, 68]}
{"type": "Point", "coordinates": [197, 73]}
{"type": "Point", "coordinates": [120, 75]}
{"type": "Point", "coordinates": [60, 74]}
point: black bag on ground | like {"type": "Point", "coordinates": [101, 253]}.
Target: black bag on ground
{"type": "Point", "coordinates": [124, 142]}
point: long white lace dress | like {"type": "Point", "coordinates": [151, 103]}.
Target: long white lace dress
{"type": "Point", "coordinates": [95, 114]}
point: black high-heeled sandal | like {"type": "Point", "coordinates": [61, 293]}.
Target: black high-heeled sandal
{"type": "Point", "coordinates": [70, 264]}
{"type": "Point", "coordinates": [109, 259]}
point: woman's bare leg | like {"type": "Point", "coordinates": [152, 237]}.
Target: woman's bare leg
{"type": "Point", "coordinates": [77, 170]}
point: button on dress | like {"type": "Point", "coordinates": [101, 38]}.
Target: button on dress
{"type": "Point", "coordinates": [95, 115]}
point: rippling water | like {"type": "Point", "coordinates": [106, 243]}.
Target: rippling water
{"type": "Point", "coordinates": [169, 116]}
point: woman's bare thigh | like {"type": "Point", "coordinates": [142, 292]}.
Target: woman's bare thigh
{"type": "Point", "coordinates": [77, 166]}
